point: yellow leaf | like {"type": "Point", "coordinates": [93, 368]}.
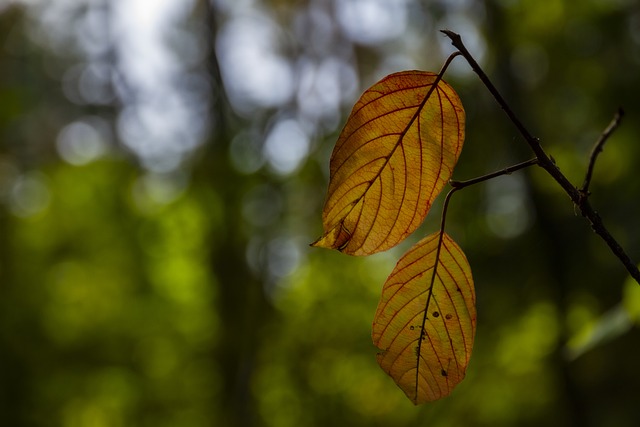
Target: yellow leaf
{"type": "Point", "coordinates": [426, 336]}
{"type": "Point", "coordinates": [392, 159]}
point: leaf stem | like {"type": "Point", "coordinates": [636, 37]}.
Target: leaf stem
{"type": "Point", "coordinates": [432, 281]}
{"type": "Point", "coordinates": [459, 185]}
{"type": "Point", "coordinates": [545, 162]}
{"type": "Point", "coordinates": [448, 62]}
{"type": "Point", "coordinates": [456, 185]}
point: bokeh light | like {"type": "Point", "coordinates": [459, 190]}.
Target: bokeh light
{"type": "Point", "coordinates": [163, 167]}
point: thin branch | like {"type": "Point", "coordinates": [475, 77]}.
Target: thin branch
{"type": "Point", "coordinates": [597, 149]}
{"type": "Point", "coordinates": [547, 164]}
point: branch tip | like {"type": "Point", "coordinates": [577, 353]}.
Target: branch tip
{"type": "Point", "coordinates": [453, 36]}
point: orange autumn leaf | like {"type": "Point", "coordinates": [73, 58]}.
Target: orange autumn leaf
{"type": "Point", "coordinates": [393, 157]}
{"type": "Point", "coordinates": [426, 340]}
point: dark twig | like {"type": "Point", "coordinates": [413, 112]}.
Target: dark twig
{"type": "Point", "coordinates": [597, 149]}
{"type": "Point", "coordinates": [548, 165]}
{"type": "Point", "coordinates": [506, 171]}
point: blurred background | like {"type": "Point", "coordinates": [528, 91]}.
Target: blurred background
{"type": "Point", "coordinates": [163, 168]}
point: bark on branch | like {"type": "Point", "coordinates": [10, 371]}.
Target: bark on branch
{"type": "Point", "coordinates": [578, 197]}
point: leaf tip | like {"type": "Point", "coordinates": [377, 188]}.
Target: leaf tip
{"type": "Point", "coordinates": [320, 242]}
{"type": "Point", "coordinates": [336, 238]}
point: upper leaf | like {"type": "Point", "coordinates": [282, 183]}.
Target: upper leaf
{"type": "Point", "coordinates": [426, 341]}
{"type": "Point", "coordinates": [393, 157]}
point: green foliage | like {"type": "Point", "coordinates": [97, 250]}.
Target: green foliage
{"type": "Point", "coordinates": [132, 296]}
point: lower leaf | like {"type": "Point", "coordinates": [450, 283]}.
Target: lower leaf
{"type": "Point", "coordinates": [425, 325]}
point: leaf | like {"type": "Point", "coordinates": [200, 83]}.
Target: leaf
{"type": "Point", "coordinates": [426, 349]}
{"type": "Point", "coordinates": [392, 159]}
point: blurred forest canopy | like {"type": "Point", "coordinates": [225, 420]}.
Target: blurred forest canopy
{"type": "Point", "coordinates": [162, 172]}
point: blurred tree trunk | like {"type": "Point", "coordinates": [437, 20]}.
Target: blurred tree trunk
{"type": "Point", "coordinates": [241, 304]}
{"type": "Point", "coordinates": [15, 378]}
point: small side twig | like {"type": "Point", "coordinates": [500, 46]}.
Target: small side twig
{"type": "Point", "coordinates": [597, 149]}
{"type": "Point", "coordinates": [545, 162]}
{"type": "Point", "coordinates": [457, 185]}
